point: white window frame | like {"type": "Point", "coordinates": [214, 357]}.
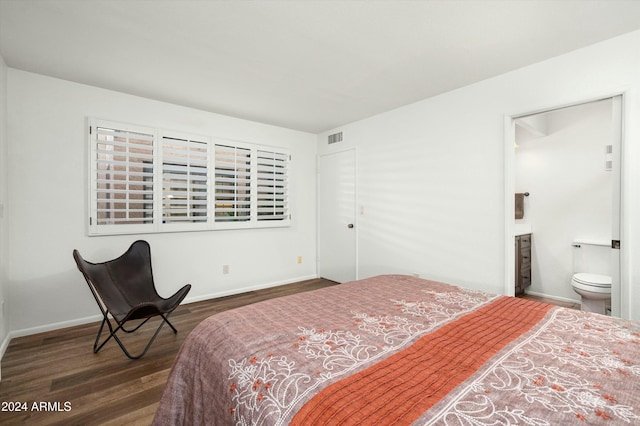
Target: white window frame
{"type": "Point", "coordinates": [233, 184]}
{"type": "Point", "coordinates": [254, 220]}
{"type": "Point", "coordinates": [272, 176]}
{"type": "Point", "coordinates": [96, 228]}
{"type": "Point", "coordinates": [166, 226]}
{"type": "Point", "coordinates": [159, 224]}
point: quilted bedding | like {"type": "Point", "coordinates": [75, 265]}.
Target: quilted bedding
{"type": "Point", "coordinates": [402, 350]}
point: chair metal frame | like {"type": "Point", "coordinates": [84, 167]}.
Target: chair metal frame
{"type": "Point", "coordinates": [109, 283]}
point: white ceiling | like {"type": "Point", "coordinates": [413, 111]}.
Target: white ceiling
{"type": "Point", "coordinates": [306, 65]}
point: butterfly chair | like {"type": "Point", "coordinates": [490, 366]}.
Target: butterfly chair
{"type": "Point", "coordinates": [124, 290]}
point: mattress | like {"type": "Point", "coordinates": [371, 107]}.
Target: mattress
{"type": "Point", "coordinates": [397, 349]}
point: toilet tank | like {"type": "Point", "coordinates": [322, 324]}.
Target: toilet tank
{"type": "Point", "coordinates": [592, 257]}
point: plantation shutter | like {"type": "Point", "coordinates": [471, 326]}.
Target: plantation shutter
{"type": "Point", "coordinates": [273, 203]}
{"type": "Point", "coordinates": [123, 185]}
{"type": "Point", "coordinates": [148, 180]}
{"type": "Point", "coordinates": [184, 180]}
{"type": "Point", "coordinates": [232, 184]}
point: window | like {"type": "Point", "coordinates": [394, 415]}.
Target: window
{"type": "Point", "coordinates": [185, 174]}
{"type": "Point", "coordinates": [233, 184]}
{"type": "Point", "coordinates": [150, 180]}
{"type": "Point", "coordinates": [122, 175]}
{"type": "Point", "coordinates": [272, 185]}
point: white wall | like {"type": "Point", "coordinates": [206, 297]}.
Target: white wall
{"type": "Point", "coordinates": [4, 323]}
{"type": "Point", "coordinates": [431, 175]}
{"type": "Point", "coordinates": [48, 205]}
{"type": "Point", "coordinates": [570, 192]}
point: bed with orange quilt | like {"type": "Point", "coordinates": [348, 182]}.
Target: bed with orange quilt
{"type": "Point", "coordinates": [402, 350]}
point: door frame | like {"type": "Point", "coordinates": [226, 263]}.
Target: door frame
{"type": "Point", "coordinates": [356, 221]}
{"type": "Point", "coordinates": [620, 308]}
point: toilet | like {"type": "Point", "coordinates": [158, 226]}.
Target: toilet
{"type": "Point", "coordinates": [590, 278]}
{"type": "Point", "coordinates": [594, 291]}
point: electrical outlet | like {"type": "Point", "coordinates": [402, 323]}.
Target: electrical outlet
{"type": "Point", "coordinates": [225, 269]}
{"type": "Point", "coordinates": [299, 259]}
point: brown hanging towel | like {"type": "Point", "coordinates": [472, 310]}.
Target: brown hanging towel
{"type": "Point", "coordinates": [519, 205]}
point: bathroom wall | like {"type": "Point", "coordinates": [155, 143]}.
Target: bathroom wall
{"type": "Point", "coordinates": [570, 191]}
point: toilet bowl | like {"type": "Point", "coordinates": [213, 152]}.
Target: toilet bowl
{"type": "Point", "coordinates": [594, 291]}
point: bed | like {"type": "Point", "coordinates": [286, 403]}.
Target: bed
{"type": "Point", "coordinates": [396, 349]}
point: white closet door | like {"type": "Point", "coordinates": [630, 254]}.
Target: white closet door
{"type": "Point", "coordinates": [336, 216]}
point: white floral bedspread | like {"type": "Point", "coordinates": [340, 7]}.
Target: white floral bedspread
{"type": "Point", "coordinates": [261, 364]}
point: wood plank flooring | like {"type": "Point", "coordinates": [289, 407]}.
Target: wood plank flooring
{"type": "Point", "coordinates": [60, 367]}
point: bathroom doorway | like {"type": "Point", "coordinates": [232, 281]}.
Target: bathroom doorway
{"type": "Point", "coordinates": [568, 162]}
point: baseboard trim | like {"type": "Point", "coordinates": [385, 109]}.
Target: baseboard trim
{"type": "Point", "coordinates": [549, 296]}
{"type": "Point", "coordinates": [200, 298]}
{"type": "Point", "coordinates": [54, 326]}
{"type": "Point", "coordinates": [5, 344]}
{"type": "Point", "coordinates": [96, 318]}
{"type": "Point", "coordinates": [3, 348]}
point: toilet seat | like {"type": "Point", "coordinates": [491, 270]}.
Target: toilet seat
{"type": "Point", "coordinates": [593, 280]}
{"type": "Point", "coordinates": [592, 284]}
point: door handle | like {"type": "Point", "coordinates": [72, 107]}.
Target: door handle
{"type": "Point", "coordinates": [350, 225]}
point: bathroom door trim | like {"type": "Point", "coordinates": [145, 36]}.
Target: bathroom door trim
{"type": "Point", "coordinates": [619, 308]}
{"type": "Point", "coordinates": [618, 292]}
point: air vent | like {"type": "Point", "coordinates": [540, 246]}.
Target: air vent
{"type": "Point", "coordinates": [336, 137]}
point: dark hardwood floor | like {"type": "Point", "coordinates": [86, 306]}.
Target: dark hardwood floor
{"type": "Point", "coordinates": [58, 370]}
